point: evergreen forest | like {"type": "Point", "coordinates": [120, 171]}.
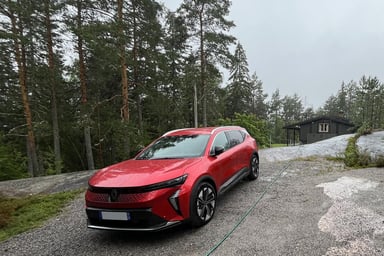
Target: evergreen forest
{"type": "Point", "coordinates": [88, 83]}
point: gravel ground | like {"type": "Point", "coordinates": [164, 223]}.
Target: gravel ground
{"type": "Point", "coordinates": [301, 207]}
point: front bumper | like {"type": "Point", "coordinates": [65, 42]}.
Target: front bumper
{"type": "Point", "coordinates": [139, 220]}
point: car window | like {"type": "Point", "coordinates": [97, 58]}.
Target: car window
{"type": "Point", "coordinates": [243, 134]}
{"type": "Point", "coordinates": [221, 141]}
{"type": "Point", "coordinates": [176, 147]}
{"type": "Point", "coordinates": [235, 138]}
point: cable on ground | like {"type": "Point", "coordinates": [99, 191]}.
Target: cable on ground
{"type": "Point", "coordinates": [253, 206]}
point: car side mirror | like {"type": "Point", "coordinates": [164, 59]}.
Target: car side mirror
{"type": "Point", "coordinates": [218, 150]}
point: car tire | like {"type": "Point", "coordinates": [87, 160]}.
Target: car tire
{"type": "Point", "coordinates": [253, 167]}
{"type": "Point", "coordinates": [203, 204]}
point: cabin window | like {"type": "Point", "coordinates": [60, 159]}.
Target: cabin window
{"type": "Point", "coordinates": [323, 127]}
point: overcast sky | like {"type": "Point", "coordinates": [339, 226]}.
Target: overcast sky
{"type": "Point", "coordinates": [309, 47]}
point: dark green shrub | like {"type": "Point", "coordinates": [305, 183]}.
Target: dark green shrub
{"type": "Point", "coordinates": [256, 128]}
{"type": "Point", "coordinates": [379, 161]}
{"type": "Point", "coordinates": [364, 159]}
{"type": "Point", "coordinates": [12, 164]}
{"type": "Point", "coordinates": [364, 129]}
{"type": "Point", "coordinates": [351, 154]}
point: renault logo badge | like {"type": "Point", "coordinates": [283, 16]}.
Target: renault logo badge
{"type": "Point", "coordinates": [113, 196]}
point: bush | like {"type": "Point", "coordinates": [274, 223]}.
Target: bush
{"type": "Point", "coordinates": [354, 158]}
{"type": "Point", "coordinates": [351, 154]}
{"type": "Point", "coordinates": [364, 129]}
{"type": "Point", "coordinates": [379, 161]}
{"type": "Point", "coordinates": [12, 164]}
{"type": "Point", "coordinates": [256, 128]}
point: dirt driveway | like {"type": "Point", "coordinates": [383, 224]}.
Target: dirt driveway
{"type": "Point", "coordinates": [311, 207]}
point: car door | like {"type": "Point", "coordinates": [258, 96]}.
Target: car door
{"type": "Point", "coordinates": [239, 156]}
{"type": "Point", "coordinates": [221, 164]}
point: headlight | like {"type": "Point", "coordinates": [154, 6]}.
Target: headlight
{"type": "Point", "coordinates": [167, 184]}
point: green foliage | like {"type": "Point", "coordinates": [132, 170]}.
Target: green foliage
{"type": "Point", "coordinates": [379, 161]}
{"type": "Point", "coordinates": [256, 128]}
{"type": "Point", "coordinates": [50, 165]}
{"type": "Point", "coordinates": [240, 89]}
{"type": "Point", "coordinates": [335, 158]}
{"type": "Point", "coordinates": [364, 129]}
{"type": "Point", "coordinates": [354, 158]}
{"type": "Point", "coordinates": [18, 215]}
{"type": "Point", "coordinates": [361, 102]}
{"type": "Point", "coordinates": [12, 163]}
{"type": "Point", "coordinates": [276, 145]}
{"type": "Point", "coordinates": [351, 154]}
{"type": "Point", "coordinates": [165, 64]}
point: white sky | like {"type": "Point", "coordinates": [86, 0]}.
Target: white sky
{"type": "Point", "coordinates": [309, 47]}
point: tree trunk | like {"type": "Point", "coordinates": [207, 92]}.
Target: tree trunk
{"type": "Point", "coordinates": [33, 165]}
{"type": "Point", "coordinates": [88, 147]}
{"type": "Point", "coordinates": [52, 80]}
{"type": "Point", "coordinates": [83, 89]}
{"type": "Point", "coordinates": [124, 76]}
{"type": "Point", "coordinates": [136, 70]}
{"type": "Point", "coordinates": [202, 69]}
{"type": "Point", "coordinates": [195, 117]}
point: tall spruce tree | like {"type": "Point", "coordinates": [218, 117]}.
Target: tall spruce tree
{"type": "Point", "coordinates": [240, 89]}
{"type": "Point", "coordinates": [259, 106]}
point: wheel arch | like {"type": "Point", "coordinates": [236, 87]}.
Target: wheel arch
{"type": "Point", "coordinates": [193, 220]}
{"type": "Point", "coordinates": [206, 178]}
{"type": "Point", "coordinates": [187, 207]}
{"type": "Point", "coordinates": [256, 153]}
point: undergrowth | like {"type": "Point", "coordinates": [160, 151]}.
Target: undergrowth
{"type": "Point", "coordinates": [356, 159]}
{"type": "Point", "coordinates": [18, 215]}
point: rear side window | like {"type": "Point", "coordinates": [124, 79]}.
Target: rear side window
{"type": "Point", "coordinates": [235, 137]}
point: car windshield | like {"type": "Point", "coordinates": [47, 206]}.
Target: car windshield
{"type": "Point", "coordinates": [184, 146]}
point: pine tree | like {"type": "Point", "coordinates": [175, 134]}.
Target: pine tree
{"type": "Point", "coordinates": [207, 23]}
{"type": "Point", "coordinates": [16, 14]}
{"type": "Point", "coordinates": [77, 23]}
{"type": "Point", "coordinates": [50, 8]}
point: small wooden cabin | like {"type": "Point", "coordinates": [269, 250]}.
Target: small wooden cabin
{"type": "Point", "coordinates": [316, 129]}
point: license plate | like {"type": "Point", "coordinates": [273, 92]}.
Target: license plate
{"type": "Point", "coordinates": [115, 216]}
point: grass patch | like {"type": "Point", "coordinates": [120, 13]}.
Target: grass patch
{"type": "Point", "coordinates": [307, 159]}
{"type": "Point", "coordinates": [278, 145]}
{"type": "Point", "coordinates": [18, 215]}
{"type": "Point", "coordinates": [335, 158]}
{"type": "Point", "coordinates": [356, 159]}
{"type": "Point", "coordinates": [380, 161]}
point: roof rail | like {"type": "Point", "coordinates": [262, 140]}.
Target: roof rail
{"type": "Point", "coordinates": [227, 126]}
{"type": "Point", "coordinates": [176, 130]}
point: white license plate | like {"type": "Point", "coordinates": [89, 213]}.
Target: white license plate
{"type": "Point", "coordinates": [115, 215]}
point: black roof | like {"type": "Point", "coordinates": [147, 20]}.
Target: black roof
{"type": "Point", "coordinates": [331, 118]}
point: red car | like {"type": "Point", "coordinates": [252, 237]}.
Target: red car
{"type": "Point", "coordinates": [176, 179]}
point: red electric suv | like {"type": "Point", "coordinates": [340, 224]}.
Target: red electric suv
{"type": "Point", "coordinates": [176, 179]}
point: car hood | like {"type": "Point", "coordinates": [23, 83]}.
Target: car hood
{"type": "Point", "coordinates": [137, 173]}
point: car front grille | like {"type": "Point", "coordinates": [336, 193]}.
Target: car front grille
{"type": "Point", "coordinates": [120, 197]}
